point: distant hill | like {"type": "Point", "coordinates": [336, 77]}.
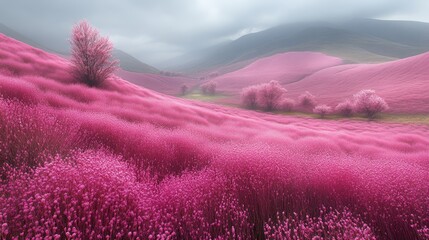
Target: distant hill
{"type": "Point", "coordinates": [127, 62]}
{"type": "Point", "coordinates": [356, 41]}
{"type": "Point", "coordinates": [170, 85]}
{"type": "Point", "coordinates": [15, 35]}
{"type": "Point", "coordinates": [404, 83]}
{"type": "Point", "coordinates": [283, 67]}
{"type": "Point", "coordinates": [132, 64]}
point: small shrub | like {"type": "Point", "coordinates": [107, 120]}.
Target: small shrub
{"type": "Point", "coordinates": [345, 108]}
{"type": "Point", "coordinates": [307, 100]}
{"type": "Point", "coordinates": [286, 104]}
{"type": "Point", "coordinates": [368, 103]}
{"type": "Point", "coordinates": [209, 88]}
{"type": "Point", "coordinates": [322, 110]}
{"type": "Point", "coordinates": [269, 95]}
{"type": "Point", "coordinates": [249, 97]}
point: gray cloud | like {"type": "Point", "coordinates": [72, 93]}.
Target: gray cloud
{"type": "Point", "coordinates": [156, 30]}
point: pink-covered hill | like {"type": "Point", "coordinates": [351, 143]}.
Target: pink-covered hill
{"type": "Point", "coordinates": [122, 161]}
{"type": "Point", "coordinates": [404, 83]}
{"type": "Point", "coordinates": [164, 84]}
{"type": "Point", "coordinates": [285, 68]}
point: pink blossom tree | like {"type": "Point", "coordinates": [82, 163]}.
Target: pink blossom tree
{"type": "Point", "coordinates": [307, 100]}
{"type": "Point", "coordinates": [345, 108]}
{"type": "Point", "coordinates": [286, 104]}
{"type": "Point", "coordinates": [249, 96]}
{"type": "Point", "coordinates": [269, 95]}
{"type": "Point", "coordinates": [91, 55]}
{"type": "Point", "coordinates": [322, 110]}
{"type": "Point", "coordinates": [209, 88]}
{"type": "Point", "coordinates": [369, 103]}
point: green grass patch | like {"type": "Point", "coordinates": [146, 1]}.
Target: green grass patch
{"type": "Point", "coordinates": [405, 118]}
{"type": "Point", "coordinates": [203, 97]}
{"type": "Point", "coordinates": [384, 117]}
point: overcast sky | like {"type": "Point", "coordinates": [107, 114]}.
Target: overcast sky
{"type": "Point", "coordinates": [155, 30]}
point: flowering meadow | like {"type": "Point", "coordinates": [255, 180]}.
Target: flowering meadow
{"type": "Point", "coordinates": [124, 162]}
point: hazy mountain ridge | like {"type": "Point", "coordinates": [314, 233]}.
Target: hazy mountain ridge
{"type": "Point", "coordinates": [127, 61]}
{"type": "Point", "coordinates": [357, 41]}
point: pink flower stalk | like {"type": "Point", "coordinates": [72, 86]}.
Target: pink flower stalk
{"type": "Point", "coordinates": [330, 224]}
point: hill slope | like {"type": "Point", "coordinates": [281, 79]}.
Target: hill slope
{"type": "Point", "coordinates": [359, 41]}
{"type": "Point", "coordinates": [403, 83]}
{"type": "Point", "coordinates": [141, 164]}
{"type": "Point", "coordinates": [130, 63]}
{"type": "Point", "coordinates": [127, 62]}
{"type": "Point", "coordinates": [285, 68]}
{"type": "Point", "coordinates": [164, 84]}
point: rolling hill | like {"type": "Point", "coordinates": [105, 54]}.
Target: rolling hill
{"type": "Point", "coordinates": [127, 62]}
{"type": "Point", "coordinates": [132, 64]}
{"type": "Point", "coordinates": [403, 83]}
{"type": "Point", "coordinates": [164, 84]}
{"type": "Point", "coordinates": [122, 161]}
{"type": "Point", "coordinates": [356, 41]}
{"type": "Point", "coordinates": [283, 67]}
{"type": "Point", "coordinates": [131, 68]}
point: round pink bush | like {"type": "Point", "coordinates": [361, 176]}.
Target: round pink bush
{"type": "Point", "coordinates": [345, 108]}
{"type": "Point", "coordinates": [209, 88]}
{"type": "Point", "coordinates": [368, 103]}
{"type": "Point", "coordinates": [269, 95]}
{"type": "Point", "coordinates": [307, 100]}
{"type": "Point", "coordinates": [249, 97]}
{"type": "Point", "coordinates": [286, 104]}
{"type": "Point", "coordinates": [322, 110]}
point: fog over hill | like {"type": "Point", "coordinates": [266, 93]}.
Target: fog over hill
{"type": "Point", "coordinates": [356, 41]}
{"type": "Point", "coordinates": [127, 61]}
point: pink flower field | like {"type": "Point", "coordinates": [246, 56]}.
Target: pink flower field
{"type": "Point", "coordinates": [284, 67]}
{"type": "Point", "coordinates": [331, 81]}
{"type": "Point", "coordinates": [124, 162]}
{"type": "Point", "coordinates": [164, 84]}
